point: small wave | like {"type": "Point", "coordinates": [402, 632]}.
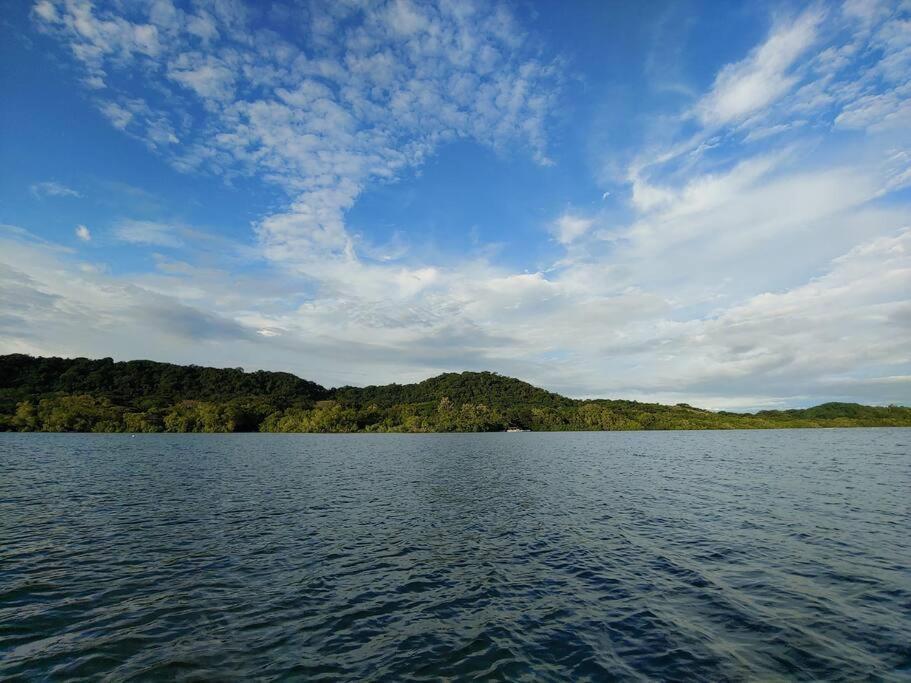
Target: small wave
{"type": "Point", "coordinates": [716, 557]}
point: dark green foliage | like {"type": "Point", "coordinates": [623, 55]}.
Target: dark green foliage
{"type": "Point", "coordinates": [486, 388]}
{"type": "Point", "coordinates": [152, 383]}
{"type": "Point", "coordinates": [82, 395]}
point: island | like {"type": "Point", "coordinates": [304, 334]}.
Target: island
{"type": "Point", "coordinates": [85, 395]}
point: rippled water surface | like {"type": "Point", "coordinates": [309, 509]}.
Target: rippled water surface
{"type": "Point", "coordinates": [586, 556]}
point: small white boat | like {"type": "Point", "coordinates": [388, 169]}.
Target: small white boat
{"type": "Point", "coordinates": [517, 429]}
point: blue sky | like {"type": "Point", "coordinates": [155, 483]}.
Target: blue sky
{"type": "Point", "coordinates": [691, 201]}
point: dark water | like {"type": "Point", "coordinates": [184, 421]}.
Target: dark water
{"type": "Point", "coordinates": [681, 555]}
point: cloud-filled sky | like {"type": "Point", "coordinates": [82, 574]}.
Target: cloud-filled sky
{"type": "Point", "coordinates": [691, 201]}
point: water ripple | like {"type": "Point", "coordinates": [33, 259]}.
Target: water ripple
{"type": "Point", "coordinates": [630, 556]}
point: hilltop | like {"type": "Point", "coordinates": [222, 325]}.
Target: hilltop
{"type": "Point", "coordinates": [488, 388]}
{"type": "Point", "coordinates": [81, 394]}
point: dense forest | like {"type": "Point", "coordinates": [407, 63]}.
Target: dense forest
{"type": "Point", "coordinates": [84, 395]}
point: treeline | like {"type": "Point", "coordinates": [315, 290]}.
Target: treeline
{"type": "Point", "coordinates": [83, 395]}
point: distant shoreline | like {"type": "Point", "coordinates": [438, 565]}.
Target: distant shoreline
{"type": "Point", "coordinates": [530, 431]}
{"type": "Point", "coordinates": [60, 395]}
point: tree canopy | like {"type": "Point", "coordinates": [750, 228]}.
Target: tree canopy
{"type": "Point", "coordinates": [84, 395]}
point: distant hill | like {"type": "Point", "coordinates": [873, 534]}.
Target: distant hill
{"type": "Point", "coordinates": [80, 394]}
{"type": "Point", "coordinates": [127, 382]}
{"type": "Point", "coordinates": [488, 388]}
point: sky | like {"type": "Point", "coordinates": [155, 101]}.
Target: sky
{"type": "Point", "coordinates": [701, 202]}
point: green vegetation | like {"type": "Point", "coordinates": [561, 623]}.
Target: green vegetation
{"type": "Point", "coordinates": [82, 395]}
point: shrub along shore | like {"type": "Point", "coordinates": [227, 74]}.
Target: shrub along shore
{"type": "Point", "coordinates": [84, 395]}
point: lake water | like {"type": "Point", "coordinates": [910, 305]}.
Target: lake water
{"type": "Point", "coordinates": [575, 556]}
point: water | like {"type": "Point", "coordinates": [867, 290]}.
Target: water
{"type": "Point", "coordinates": [586, 556]}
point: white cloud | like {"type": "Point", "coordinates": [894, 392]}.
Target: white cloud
{"type": "Point", "coordinates": [739, 273]}
{"type": "Point", "coordinates": [148, 232]}
{"type": "Point", "coordinates": [765, 75]}
{"type": "Point", "coordinates": [118, 115]}
{"type": "Point", "coordinates": [46, 11]}
{"type": "Point", "coordinates": [135, 117]}
{"type": "Point", "coordinates": [879, 112]}
{"type": "Point", "coordinates": [568, 227]}
{"type": "Point", "coordinates": [567, 331]}
{"type": "Point", "coordinates": [856, 315]}
{"type": "Point", "coordinates": [867, 11]}
{"type": "Point", "coordinates": [83, 233]}
{"type": "Point", "coordinates": [52, 188]}
{"type": "Point", "coordinates": [207, 76]}
{"type": "Point", "coordinates": [405, 18]}
{"type": "Point", "coordinates": [758, 134]}
{"type": "Point", "coordinates": [397, 80]}
{"type": "Point", "coordinates": [267, 332]}
{"type": "Point", "coordinates": [730, 205]}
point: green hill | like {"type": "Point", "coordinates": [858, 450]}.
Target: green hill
{"type": "Point", "coordinates": [147, 380]}
{"type": "Point", "coordinates": [486, 388]}
{"type": "Point", "coordinates": [79, 394]}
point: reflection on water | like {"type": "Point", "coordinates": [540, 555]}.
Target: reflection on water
{"type": "Point", "coordinates": [717, 555]}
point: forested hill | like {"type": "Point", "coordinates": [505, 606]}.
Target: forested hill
{"type": "Point", "coordinates": [147, 381]}
{"type": "Point", "coordinates": [79, 394]}
{"type": "Point", "coordinates": [487, 388]}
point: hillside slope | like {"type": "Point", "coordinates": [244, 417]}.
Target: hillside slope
{"type": "Point", "coordinates": [80, 394]}
{"type": "Point", "coordinates": [146, 381]}
{"type": "Point", "coordinates": [486, 388]}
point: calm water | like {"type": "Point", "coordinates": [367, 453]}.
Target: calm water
{"type": "Point", "coordinates": [669, 555]}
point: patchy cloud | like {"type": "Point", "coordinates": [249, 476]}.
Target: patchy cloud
{"type": "Point", "coordinates": [52, 188]}
{"type": "Point", "coordinates": [764, 76]}
{"type": "Point", "coordinates": [754, 253]}
{"type": "Point", "coordinates": [148, 232]}
{"type": "Point", "coordinates": [83, 233]}
{"type": "Point", "coordinates": [397, 80]}
{"type": "Point", "coordinates": [568, 228]}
